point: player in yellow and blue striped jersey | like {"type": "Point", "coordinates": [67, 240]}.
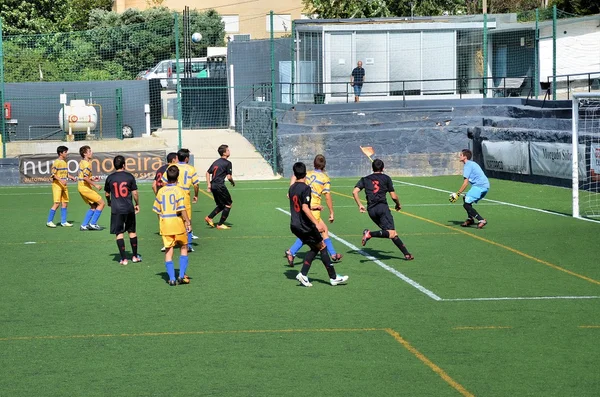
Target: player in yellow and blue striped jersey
{"type": "Point", "coordinates": [60, 193]}
{"type": "Point", "coordinates": [86, 182]}
{"type": "Point", "coordinates": [188, 179]}
{"type": "Point", "coordinates": [174, 224]}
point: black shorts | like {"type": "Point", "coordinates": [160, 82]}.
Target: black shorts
{"type": "Point", "coordinates": [312, 238]}
{"type": "Point", "coordinates": [381, 215]}
{"type": "Point", "coordinates": [221, 196]}
{"type": "Point", "coordinates": [121, 223]}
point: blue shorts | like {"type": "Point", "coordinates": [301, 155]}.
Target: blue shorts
{"type": "Point", "coordinates": [475, 194]}
{"type": "Point", "coordinates": [357, 89]}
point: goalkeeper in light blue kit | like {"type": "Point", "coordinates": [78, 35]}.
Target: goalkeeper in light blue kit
{"type": "Point", "coordinates": [480, 185]}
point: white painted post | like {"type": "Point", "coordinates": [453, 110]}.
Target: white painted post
{"type": "Point", "coordinates": [147, 112]}
{"type": "Point", "coordinates": [231, 99]}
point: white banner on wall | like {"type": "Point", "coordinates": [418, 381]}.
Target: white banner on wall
{"type": "Point", "coordinates": [595, 161]}
{"type": "Point", "coordinates": [506, 156]}
{"type": "Point", "coordinates": [555, 160]}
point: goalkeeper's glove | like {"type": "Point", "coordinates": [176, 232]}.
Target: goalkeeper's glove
{"type": "Point", "coordinates": [454, 197]}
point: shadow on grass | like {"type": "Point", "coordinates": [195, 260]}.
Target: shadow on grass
{"type": "Point", "coordinates": [381, 255]}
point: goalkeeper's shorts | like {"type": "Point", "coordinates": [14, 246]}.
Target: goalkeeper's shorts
{"type": "Point", "coordinates": [475, 194]}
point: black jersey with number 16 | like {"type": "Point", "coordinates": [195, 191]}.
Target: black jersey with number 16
{"type": "Point", "coordinates": [120, 184]}
{"type": "Point", "coordinates": [376, 186]}
{"type": "Point", "coordinates": [300, 194]}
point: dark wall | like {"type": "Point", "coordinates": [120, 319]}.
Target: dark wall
{"type": "Point", "coordinates": [36, 106]}
{"type": "Point", "coordinates": [258, 71]}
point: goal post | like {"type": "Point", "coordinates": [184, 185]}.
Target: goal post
{"type": "Point", "coordinates": [586, 137]}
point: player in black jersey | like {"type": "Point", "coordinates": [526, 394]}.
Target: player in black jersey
{"type": "Point", "coordinates": [120, 188]}
{"type": "Point", "coordinates": [218, 171]}
{"type": "Point", "coordinates": [377, 186]}
{"type": "Point", "coordinates": [304, 225]}
{"type": "Point", "coordinates": [158, 183]}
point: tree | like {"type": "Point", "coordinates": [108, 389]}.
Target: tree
{"type": "Point", "coordinates": [578, 7]}
{"type": "Point", "coordinates": [334, 9]}
{"type": "Point", "coordinates": [402, 8]}
{"type": "Point", "coordinates": [26, 17]}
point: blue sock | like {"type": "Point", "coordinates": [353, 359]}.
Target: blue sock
{"type": "Point", "coordinates": [296, 247]}
{"type": "Point", "coordinates": [88, 216]}
{"type": "Point", "coordinates": [330, 248]}
{"type": "Point", "coordinates": [63, 215]}
{"type": "Point", "coordinates": [183, 264]}
{"type": "Point", "coordinates": [170, 270]}
{"type": "Point", "coordinates": [95, 217]}
{"type": "Point", "coordinates": [189, 239]}
{"type": "Point", "coordinates": [51, 215]}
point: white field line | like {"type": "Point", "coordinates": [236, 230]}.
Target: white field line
{"type": "Point", "coordinates": [381, 264]}
{"type": "Point", "coordinates": [430, 293]}
{"type": "Point", "coordinates": [499, 202]}
{"type": "Point", "coordinates": [515, 298]}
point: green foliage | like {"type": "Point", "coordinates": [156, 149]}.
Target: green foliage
{"type": "Point", "coordinates": [116, 46]}
{"type": "Point", "coordinates": [578, 7]}
{"type": "Point", "coordinates": [402, 8]}
{"type": "Point", "coordinates": [332, 9]}
{"type": "Point", "coordinates": [23, 17]}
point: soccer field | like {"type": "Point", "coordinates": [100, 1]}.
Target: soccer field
{"type": "Point", "coordinates": [512, 309]}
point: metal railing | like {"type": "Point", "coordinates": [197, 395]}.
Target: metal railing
{"type": "Point", "coordinates": [471, 87]}
{"type": "Point", "coordinates": [591, 83]}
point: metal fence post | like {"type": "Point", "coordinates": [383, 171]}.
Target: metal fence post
{"type": "Point", "coordinates": [273, 121]}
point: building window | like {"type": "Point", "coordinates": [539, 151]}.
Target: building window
{"type": "Point", "coordinates": [281, 23]}
{"type": "Point", "coordinates": [232, 23]}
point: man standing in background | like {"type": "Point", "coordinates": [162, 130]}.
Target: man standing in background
{"type": "Point", "coordinates": [357, 78]}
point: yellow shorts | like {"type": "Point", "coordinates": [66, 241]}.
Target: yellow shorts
{"type": "Point", "coordinates": [60, 194]}
{"type": "Point", "coordinates": [316, 214]}
{"type": "Point", "coordinates": [175, 240]}
{"type": "Point", "coordinates": [88, 195]}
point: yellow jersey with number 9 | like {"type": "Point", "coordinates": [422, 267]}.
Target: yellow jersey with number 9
{"type": "Point", "coordinates": [167, 204]}
{"type": "Point", "coordinates": [319, 183]}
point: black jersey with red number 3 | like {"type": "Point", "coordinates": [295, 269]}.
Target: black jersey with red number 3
{"type": "Point", "coordinates": [376, 186]}
{"type": "Point", "coordinates": [120, 184]}
{"type": "Point", "coordinates": [219, 171]}
{"type": "Point", "coordinates": [300, 194]}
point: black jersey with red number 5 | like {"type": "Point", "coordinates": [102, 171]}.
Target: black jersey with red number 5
{"type": "Point", "coordinates": [120, 184]}
{"type": "Point", "coordinates": [300, 194]}
{"type": "Point", "coordinates": [376, 186]}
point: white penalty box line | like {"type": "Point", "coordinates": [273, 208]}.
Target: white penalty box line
{"type": "Point", "coordinates": [430, 293]}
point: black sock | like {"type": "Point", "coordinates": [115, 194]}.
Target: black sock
{"type": "Point", "coordinates": [400, 245]}
{"type": "Point", "coordinates": [308, 260]}
{"type": "Point", "coordinates": [471, 211]}
{"type": "Point", "coordinates": [215, 212]}
{"type": "Point", "coordinates": [380, 234]}
{"type": "Point", "coordinates": [121, 247]}
{"type": "Point", "coordinates": [327, 262]}
{"type": "Point", "coordinates": [133, 241]}
{"type": "Point", "coordinates": [224, 215]}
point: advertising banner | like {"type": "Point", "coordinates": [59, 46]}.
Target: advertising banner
{"type": "Point", "coordinates": [506, 156]}
{"type": "Point", "coordinates": [555, 160]}
{"type": "Point", "coordinates": [595, 162]}
{"type": "Point", "coordinates": [36, 168]}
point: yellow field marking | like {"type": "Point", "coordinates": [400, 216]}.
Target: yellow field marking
{"type": "Point", "coordinates": [204, 192]}
{"type": "Point", "coordinates": [457, 386]}
{"type": "Point", "coordinates": [178, 333]}
{"type": "Point", "coordinates": [389, 331]}
{"type": "Point", "coordinates": [590, 326]}
{"type": "Point", "coordinates": [513, 250]}
{"type": "Point", "coordinates": [480, 328]}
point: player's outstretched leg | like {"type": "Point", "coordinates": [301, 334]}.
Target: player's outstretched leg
{"type": "Point", "coordinates": [224, 215]}
{"type": "Point", "coordinates": [398, 243]}
{"type": "Point", "coordinates": [334, 278]}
